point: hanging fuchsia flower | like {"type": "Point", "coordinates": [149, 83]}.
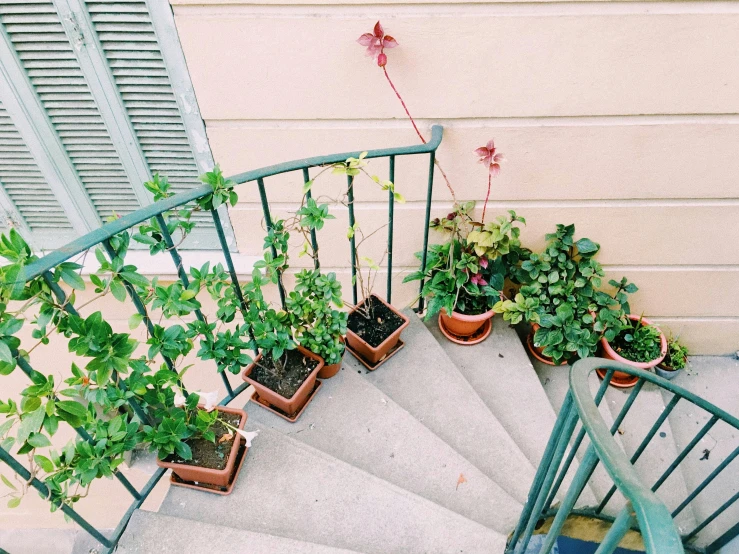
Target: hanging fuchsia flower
{"type": "Point", "coordinates": [477, 279]}
{"type": "Point", "coordinates": [376, 42]}
{"type": "Point", "coordinates": [490, 158]}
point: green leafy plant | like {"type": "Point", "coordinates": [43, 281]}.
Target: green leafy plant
{"type": "Point", "coordinates": [466, 272]}
{"type": "Point", "coordinates": [638, 342]}
{"type": "Point", "coordinates": [677, 354]}
{"type": "Point", "coordinates": [561, 294]}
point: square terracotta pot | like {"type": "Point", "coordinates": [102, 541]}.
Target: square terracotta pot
{"type": "Point", "coordinates": [217, 477]}
{"type": "Point", "coordinates": [287, 405]}
{"type": "Point", "coordinates": [373, 354]}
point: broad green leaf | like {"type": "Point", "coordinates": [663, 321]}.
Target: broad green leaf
{"type": "Point", "coordinates": [39, 440]}
{"type": "Point", "coordinates": [5, 354]}
{"type": "Point", "coordinates": [73, 279]}
{"type": "Point", "coordinates": [14, 502]}
{"type": "Point", "coordinates": [44, 463]}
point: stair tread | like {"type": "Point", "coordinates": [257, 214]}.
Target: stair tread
{"type": "Point", "coordinates": [424, 381]}
{"type": "Point", "coordinates": [292, 490]}
{"type": "Point", "coordinates": [660, 452]}
{"type": "Point", "coordinates": [355, 422]}
{"type": "Point", "coordinates": [152, 533]}
{"type": "Point", "coordinates": [714, 379]}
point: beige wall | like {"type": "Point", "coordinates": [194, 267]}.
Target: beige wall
{"type": "Point", "coordinates": [618, 117]}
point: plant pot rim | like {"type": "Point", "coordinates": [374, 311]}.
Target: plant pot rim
{"type": "Point", "coordinates": [470, 318]}
{"type": "Point", "coordinates": [304, 351]}
{"type": "Point", "coordinates": [208, 471]}
{"type": "Point", "coordinates": [639, 365]}
{"type": "Point", "coordinates": [405, 323]}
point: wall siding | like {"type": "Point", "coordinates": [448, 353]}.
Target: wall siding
{"type": "Point", "coordinates": [620, 117]}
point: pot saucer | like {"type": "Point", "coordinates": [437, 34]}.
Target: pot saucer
{"type": "Point", "coordinates": [619, 383]}
{"type": "Point", "coordinates": [400, 344]}
{"type": "Point", "coordinates": [475, 338]}
{"type": "Point", "coordinates": [205, 487]}
{"type": "Point", "coordinates": [292, 418]}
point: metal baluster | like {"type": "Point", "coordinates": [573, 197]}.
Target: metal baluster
{"type": "Point", "coordinates": [6, 457]}
{"type": "Point", "coordinates": [429, 193]}
{"type": "Point", "coordinates": [723, 540]}
{"type": "Point", "coordinates": [268, 222]}
{"type": "Point", "coordinates": [621, 525]}
{"type": "Point", "coordinates": [177, 259]}
{"type": "Point", "coordinates": [713, 516]}
{"type": "Point", "coordinates": [575, 446]}
{"type": "Point", "coordinates": [352, 240]}
{"type": "Point", "coordinates": [390, 221]}
{"type": "Point", "coordinates": [138, 303]}
{"type": "Point", "coordinates": [541, 471]}
{"type": "Point", "coordinates": [647, 439]}
{"type": "Point", "coordinates": [313, 239]}
{"type": "Point", "coordinates": [232, 272]}
{"type": "Point", "coordinates": [685, 452]}
{"type": "Point", "coordinates": [707, 481]}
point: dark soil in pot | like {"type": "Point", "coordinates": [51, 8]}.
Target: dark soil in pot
{"type": "Point", "coordinates": [376, 329]}
{"type": "Point", "coordinates": [209, 455]}
{"type": "Point", "coordinates": [286, 382]}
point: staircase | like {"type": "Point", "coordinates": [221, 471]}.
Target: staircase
{"type": "Point", "coordinates": [433, 452]}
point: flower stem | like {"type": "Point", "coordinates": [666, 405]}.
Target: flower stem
{"type": "Point", "coordinates": [415, 128]}
{"type": "Point", "coordinates": [485, 206]}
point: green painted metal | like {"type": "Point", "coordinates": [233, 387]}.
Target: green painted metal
{"type": "Point", "coordinates": [650, 516]}
{"type": "Point", "coordinates": [352, 238]}
{"type": "Point", "coordinates": [624, 521]}
{"type": "Point", "coordinates": [270, 225]}
{"type": "Point", "coordinates": [390, 221]}
{"type": "Point", "coordinates": [427, 219]}
{"type": "Point", "coordinates": [313, 237]}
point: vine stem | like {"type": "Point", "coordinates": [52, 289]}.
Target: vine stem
{"type": "Point", "coordinates": [415, 127]}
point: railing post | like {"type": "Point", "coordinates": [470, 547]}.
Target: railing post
{"type": "Point", "coordinates": [268, 223]}
{"type": "Point", "coordinates": [427, 219]}
{"type": "Point", "coordinates": [624, 521]}
{"type": "Point", "coordinates": [313, 238]}
{"type": "Point", "coordinates": [390, 222]}
{"type": "Point", "coordinates": [352, 238]}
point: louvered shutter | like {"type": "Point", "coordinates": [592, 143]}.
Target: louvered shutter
{"type": "Point", "coordinates": [66, 88]}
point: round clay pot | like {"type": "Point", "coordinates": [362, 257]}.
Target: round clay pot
{"type": "Point", "coordinates": [328, 371]}
{"type": "Point", "coordinates": [462, 325]}
{"type": "Point", "coordinates": [624, 380]}
{"type": "Point", "coordinates": [537, 351]}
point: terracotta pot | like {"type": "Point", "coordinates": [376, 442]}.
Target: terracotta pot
{"type": "Point", "coordinates": [624, 380]}
{"type": "Point", "coordinates": [216, 477]}
{"type": "Point", "coordinates": [464, 325]}
{"type": "Point", "coordinates": [537, 351]}
{"type": "Point", "coordinates": [330, 370]}
{"type": "Point", "coordinates": [287, 405]}
{"type": "Point", "coordinates": [373, 354]}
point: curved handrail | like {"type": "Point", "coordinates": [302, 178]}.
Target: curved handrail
{"type": "Point", "coordinates": [655, 522]}
{"type": "Point", "coordinates": [51, 260]}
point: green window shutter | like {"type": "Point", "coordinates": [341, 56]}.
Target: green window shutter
{"type": "Point", "coordinates": [102, 96]}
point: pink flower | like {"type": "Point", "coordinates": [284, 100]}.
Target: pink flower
{"type": "Point", "coordinates": [478, 280]}
{"type": "Point", "coordinates": [484, 263]}
{"type": "Point", "coordinates": [490, 158]}
{"type": "Point", "coordinates": [376, 42]}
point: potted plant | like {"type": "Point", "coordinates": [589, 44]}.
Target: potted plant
{"type": "Point", "coordinates": [560, 298]}
{"type": "Point", "coordinates": [675, 359]}
{"type": "Point", "coordinates": [465, 274]}
{"type": "Point", "coordinates": [198, 440]}
{"type": "Point", "coordinates": [319, 326]}
{"type": "Point", "coordinates": [638, 344]}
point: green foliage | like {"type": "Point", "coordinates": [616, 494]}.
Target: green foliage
{"type": "Point", "coordinates": [312, 215]}
{"type": "Point", "coordinates": [466, 273]}
{"type": "Point", "coordinates": [561, 293]}
{"type": "Point", "coordinates": [638, 342]}
{"type": "Point", "coordinates": [677, 354]}
{"type": "Point", "coordinates": [223, 190]}
{"type": "Point", "coordinates": [226, 348]}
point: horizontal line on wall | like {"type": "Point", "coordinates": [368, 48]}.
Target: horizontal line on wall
{"type": "Point", "coordinates": [698, 319]}
{"type": "Point", "coordinates": [670, 268]}
{"type": "Point", "coordinates": [477, 122]}
{"type": "Point", "coordinates": [374, 11]}
{"type": "Point", "coordinates": [505, 204]}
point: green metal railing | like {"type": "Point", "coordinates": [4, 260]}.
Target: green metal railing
{"type": "Point", "coordinates": [43, 267]}
{"type": "Point", "coordinates": [644, 511]}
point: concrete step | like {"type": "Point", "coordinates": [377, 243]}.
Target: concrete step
{"type": "Point", "coordinates": [424, 381]}
{"type": "Point", "coordinates": [289, 489]}
{"type": "Point", "coordinates": [555, 381]}
{"type": "Point", "coordinates": [155, 533]}
{"type": "Point", "coordinates": [660, 453]}
{"type": "Point", "coordinates": [715, 379]}
{"type": "Point", "coordinates": [502, 375]}
{"type": "Point", "coordinates": [353, 421]}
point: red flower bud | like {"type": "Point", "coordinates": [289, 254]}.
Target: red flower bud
{"type": "Point", "coordinates": [450, 216]}
{"type": "Point", "coordinates": [382, 60]}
